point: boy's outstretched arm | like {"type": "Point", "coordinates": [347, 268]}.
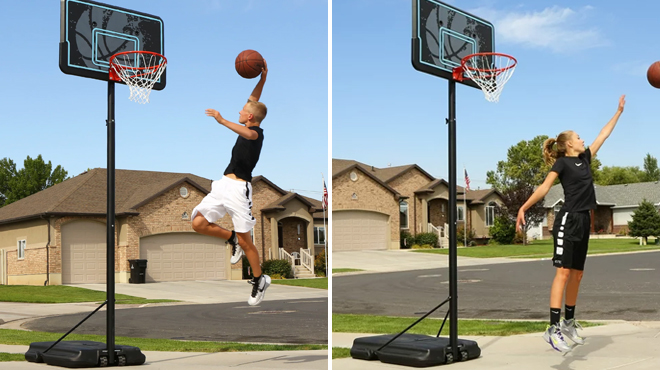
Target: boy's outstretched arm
{"type": "Point", "coordinates": [256, 93]}
{"type": "Point", "coordinates": [607, 130]}
{"type": "Point", "coordinates": [239, 129]}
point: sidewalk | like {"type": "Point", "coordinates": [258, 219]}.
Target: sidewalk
{"type": "Point", "coordinates": [207, 361]}
{"type": "Point", "coordinates": [617, 345]}
{"type": "Point", "coordinates": [405, 260]}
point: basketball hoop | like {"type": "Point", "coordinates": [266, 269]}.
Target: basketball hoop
{"type": "Point", "coordinates": [488, 70]}
{"type": "Point", "coordinates": [140, 70]}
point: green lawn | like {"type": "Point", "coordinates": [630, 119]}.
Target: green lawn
{"type": "Point", "coordinates": [64, 294]}
{"type": "Point", "coordinates": [338, 352]}
{"type": "Point", "coordinates": [6, 357]}
{"type": "Point", "coordinates": [543, 249]}
{"type": "Point", "coordinates": [335, 271]}
{"type": "Point", "coordinates": [344, 323]}
{"type": "Point", "coordinates": [21, 337]}
{"type": "Point", "coordinates": [318, 283]}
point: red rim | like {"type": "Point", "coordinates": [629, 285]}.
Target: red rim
{"type": "Point", "coordinates": [492, 70]}
{"type": "Point", "coordinates": [113, 74]}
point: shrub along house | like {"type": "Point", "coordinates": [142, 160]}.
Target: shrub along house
{"type": "Point", "coordinates": [58, 236]}
{"type": "Point", "coordinates": [372, 206]}
{"type": "Point", "coordinates": [615, 206]}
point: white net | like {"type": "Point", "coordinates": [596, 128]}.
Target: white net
{"type": "Point", "coordinates": [490, 72]}
{"type": "Point", "coordinates": [140, 71]}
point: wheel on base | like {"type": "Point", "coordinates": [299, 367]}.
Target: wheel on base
{"type": "Point", "coordinates": [449, 358]}
{"type": "Point", "coordinates": [103, 361]}
{"type": "Point", "coordinates": [121, 360]}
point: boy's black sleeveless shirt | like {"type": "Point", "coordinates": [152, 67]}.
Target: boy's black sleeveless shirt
{"type": "Point", "coordinates": [245, 155]}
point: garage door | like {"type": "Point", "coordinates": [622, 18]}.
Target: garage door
{"type": "Point", "coordinates": [83, 252]}
{"type": "Point", "coordinates": [359, 230]}
{"type": "Point", "coordinates": [183, 256]}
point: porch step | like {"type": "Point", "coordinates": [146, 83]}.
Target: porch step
{"type": "Point", "coordinates": [303, 273]}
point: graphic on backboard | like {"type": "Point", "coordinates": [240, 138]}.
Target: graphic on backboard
{"type": "Point", "coordinates": [91, 32]}
{"type": "Point", "coordinates": [443, 35]}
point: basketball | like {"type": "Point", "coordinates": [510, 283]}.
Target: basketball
{"type": "Point", "coordinates": [249, 63]}
{"type": "Point", "coordinates": [653, 75]}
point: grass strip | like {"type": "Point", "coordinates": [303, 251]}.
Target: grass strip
{"type": "Point", "coordinates": [348, 323]}
{"type": "Point", "coordinates": [64, 294]}
{"type": "Point", "coordinates": [318, 283]}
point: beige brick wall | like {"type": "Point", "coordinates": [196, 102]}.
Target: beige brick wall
{"type": "Point", "coordinates": [406, 185]}
{"type": "Point", "coordinates": [371, 196]}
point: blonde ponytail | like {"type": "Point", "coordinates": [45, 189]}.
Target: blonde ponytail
{"type": "Point", "coordinates": [555, 148]}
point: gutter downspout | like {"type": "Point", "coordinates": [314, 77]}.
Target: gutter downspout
{"type": "Point", "coordinates": [263, 242]}
{"type": "Point", "coordinates": [47, 254]}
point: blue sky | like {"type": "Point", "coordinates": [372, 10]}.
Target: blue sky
{"type": "Point", "coordinates": [575, 59]}
{"type": "Point", "coordinates": [62, 117]}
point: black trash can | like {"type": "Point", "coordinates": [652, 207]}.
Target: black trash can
{"type": "Point", "coordinates": [138, 271]}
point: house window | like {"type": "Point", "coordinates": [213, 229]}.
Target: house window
{"type": "Point", "coordinates": [319, 235]}
{"type": "Point", "coordinates": [403, 214]}
{"type": "Point", "coordinates": [252, 235]}
{"type": "Point", "coordinates": [490, 214]}
{"type": "Point", "coordinates": [459, 213]}
{"type": "Point", "coordinates": [21, 249]}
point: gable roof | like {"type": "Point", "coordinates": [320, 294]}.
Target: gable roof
{"type": "Point", "coordinates": [280, 204]}
{"type": "Point", "coordinates": [617, 196]}
{"type": "Point", "coordinates": [85, 194]}
{"type": "Point", "coordinates": [342, 166]}
{"type": "Point", "coordinates": [386, 175]}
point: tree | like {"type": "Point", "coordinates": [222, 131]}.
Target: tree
{"type": "Point", "coordinates": [524, 164]}
{"type": "Point", "coordinates": [619, 175]}
{"type": "Point", "coordinates": [645, 221]}
{"type": "Point", "coordinates": [35, 176]}
{"type": "Point", "coordinates": [503, 230]}
{"type": "Point", "coordinates": [514, 197]}
{"type": "Point", "coordinates": [651, 170]}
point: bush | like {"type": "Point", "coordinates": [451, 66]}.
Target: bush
{"type": "Point", "coordinates": [279, 267]}
{"type": "Point", "coordinates": [406, 240]}
{"type": "Point", "coordinates": [460, 236]}
{"type": "Point", "coordinates": [518, 239]}
{"type": "Point", "coordinates": [503, 230]}
{"type": "Point", "coordinates": [319, 264]}
{"type": "Point", "coordinates": [276, 277]}
{"type": "Point", "coordinates": [423, 246]}
{"type": "Point", "coordinates": [427, 238]}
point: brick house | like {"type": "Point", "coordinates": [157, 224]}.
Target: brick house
{"type": "Point", "coordinates": [58, 236]}
{"type": "Point", "coordinates": [615, 206]}
{"type": "Point", "coordinates": [371, 206]}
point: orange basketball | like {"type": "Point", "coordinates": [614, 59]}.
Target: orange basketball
{"type": "Point", "coordinates": [249, 63]}
{"type": "Point", "coordinates": [653, 75]}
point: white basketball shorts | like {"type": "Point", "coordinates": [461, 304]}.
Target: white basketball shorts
{"type": "Point", "coordinates": [228, 196]}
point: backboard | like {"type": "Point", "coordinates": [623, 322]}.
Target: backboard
{"type": "Point", "coordinates": [91, 32]}
{"type": "Point", "coordinates": [442, 35]}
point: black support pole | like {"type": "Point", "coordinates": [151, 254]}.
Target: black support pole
{"type": "Point", "coordinates": [453, 264]}
{"type": "Point", "coordinates": [110, 237]}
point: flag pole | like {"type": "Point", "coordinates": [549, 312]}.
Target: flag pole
{"type": "Point", "coordinates": [325, 230]}
{"type": "Point", "coordinates": [465, 212]}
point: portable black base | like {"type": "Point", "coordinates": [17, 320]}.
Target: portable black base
{"type": "Point", "coordinates": [83, 353]}
{"type": "Point", "coordinates": [414, 350]}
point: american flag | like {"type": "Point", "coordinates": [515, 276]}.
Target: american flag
{"type": "Point", "coordinates": [467, 180]}
{"type": "Point", "coordinates": [325, 196]}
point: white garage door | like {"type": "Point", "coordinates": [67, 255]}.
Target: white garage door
{"type": "Point", "coordinates": [183, 256]}
{"type": "Point", "coordinates": [359, 230]}
{"type": "Point", "coordinates": [83, 252]}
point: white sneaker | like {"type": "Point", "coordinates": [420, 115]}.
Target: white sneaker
{"type": "Point", "coordinates": [553, 336]}
{"type": "Point", "coordinates": [236, 250]}
{"type": "Point", "coordinates": [258, 289]}
{"type": "Point", "coordinates": [569, 329]}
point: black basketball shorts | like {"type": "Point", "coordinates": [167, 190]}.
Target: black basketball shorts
{"type": "Point", "coordinates": [571, 234]}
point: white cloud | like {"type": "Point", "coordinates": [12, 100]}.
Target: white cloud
{"type": "Point", "coordinates": [561, 30]}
